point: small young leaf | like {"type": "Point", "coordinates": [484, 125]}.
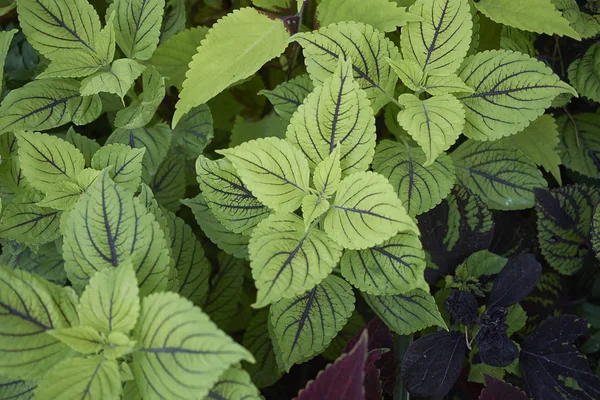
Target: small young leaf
{"type": "Point", "coordinates": [26, 222]}
{"type": "Point", "coordinates": [440, 85]}
{"type": "Point", "coordinates": [235, 383]}
{"type": "Point", "coordinates": [118, 345]}
{"type": "Point", "coordinates": [289, 95]}
{"type": "Point", "coordinates": [64, 196]}
{"type": "Point", "coordinates": [140, 112]}
{"type": "Point", "coordinates": [126, 163]}
{"type": "Point", "coordinates": [409, 72]}
{"type": "Point", "coordinates": [312, 208]}
{"type": "Point", "coordinates": [225, 291]}
{"type": "Point", "coordinates": [516, 280]}
{"type": "Point", "coordinates": [82, 339]}
{"type": "Point", "coordinates": [580, 147]}
{"type": "Point", "coordinates": [462, 307]}
{"type": "Point", "coordinates": [118, 80]}
{"type": "Point", "coordinates": [265, 372]}
{"type": "Point", "coordinates": [328, 174]}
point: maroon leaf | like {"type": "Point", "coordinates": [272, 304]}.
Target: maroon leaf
{"type": "Point", "coordinates": [373, 386]}
{"type": "Point", "coordinates": [496, 389]}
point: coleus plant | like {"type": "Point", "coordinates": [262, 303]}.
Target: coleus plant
{"type": "Point", "coordinates": [108, 287]}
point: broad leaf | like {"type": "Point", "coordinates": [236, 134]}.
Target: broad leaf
{"type": "Point", "coordinates": [406, 313]}
{"type": "Point", "coordinates": [225, 290]}
{"type": "Point", "coordinates": [511, 90]}
{"type": "Point", "coordinates": [439, 85]}
{"type": "Point", "coordinates": [169, 182]}
{"type": "Point", "coordinates": [497, 389]}
{"type": "Point", "coordinates": [516, 280]}
{"type": "Point", "coordinates": [274, 171]}
{"type": "Point", "coordinates": [394, 267]}
{"type": "Point", "coordinates": [365, 46]}
{"type": "Point", "coordinates": [195, 131]}
{"type": "Point", "coordinates": [30, 306]}
{"type": "Point", "coordinates": [174, 19]}
{"type": "Point", "coordinates": [108, 228]}
{"type": "Point", "coordinates": [6, 38]}
{"type": "Point", "coordinates": [580, 147]}
{"type": "Point", "coordinates": [287, 260]}
{"type": "Point", "coordinates": [344, 339]}
{"type": "Point", "coordinates": [123, 73]}
{"type": "Point", "coordinates": [441, 40]}
{"type": "Point", "coordinates": [517, 40]}
{"type": "Point", "coordinates": [434, 124]}
{"type": "Point", "coordinates": [419, 187]}
{"type": "Point", "coordinates": [336, 113]}
{"type": "Point", "coordinates": [289, 95]}
{"type": "Point", "coordinates": [125, 163]}
{"type": "Point", "coordinates": [26, 222]}
{"type": "Point", "coordinates": [503, 178]}
{"type": "Point", "coordinates": [141, 111]}
{"type": "Point", "coordinates": [228, 42]}
{"type": "Point", "coordinates": [265, 371]}
{"type": "Point", "coordinates": [16, 389]}
{"type": "Point", "coordinates": [43, 260]}
{"type": "Point", "coordinates": [235, 383]}
{"type": "Point", "coordinates": [409, 72]}
{"type": "Point", "coordinates": [305, 325]}
{"type": "Point", "coordinates": [245, 130]}
{"type": "Point", "coordinates": [366, 212]}
{"type": "Point", "coordinates": [88, 147]}
{"type": "Point", "coordinates": [584, 73]}
{"type": "Point", "coordinates": [584, 24]}
{"type": "Point", "coordinates": [181, 352]}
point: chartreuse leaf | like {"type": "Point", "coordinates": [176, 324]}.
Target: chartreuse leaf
{"type": "Point", "coordinates": [47, 160]}
{"type": "Point", "coordinates": [440, 85]}
{"type": "Point", "coordinates": [502, 177]}
{"type": "Point", "coordinates": [394, 267]}
{"type": "Point", "coordinates": [64, 196]}
{"type": "Point", "coordinates": [365, 46]}
{"type": "Point", "coordinates": [257, 340]}
{"type": "Point", "coordinates": [181, 352]}
{"type": "Point", "coordinates": [440, 41]}
{"type": "Point", "coordinates": [419, 187]}
{"type": "Point", "coordinates": [16, 389]}
{"type": "Point", "coordinates": [235, 383]}
{"type": "Point", "coordinates": [313, 207]}
{"type": "Point", "coordinates": [564, 216]}
{"type": "Point", "coordinates": [169, 182]}
{"type": "Point", "coordinates": [409, 72]}
{"type": "Point", "coordinates": [434, 124]}
{"type": "Point", "coordinates": [580, 146]}
{"type": "Point", "coordinates": [123, 72]}
{"type": "Point", "coordinates": [5, 40]}
{"type": "Point", "coordinates": [287, 259]}
{"type": "Point", "coordinates": [46, 104]}
{"type": "Point", "coordinates": [118, 345]}
{"type": "Point", "coordinates": [407, 313]}
{"type": "Point", "coordinates": [82, 339]}
{"type": "Point", "coordinates": [231, 243]}
{"type": "Point", "coordinates": [230, 201]}
{"type": "Point", "coordinates": [110, 302]}
{"type": "Point", "coordinates": [126, 163]}
{"type": "Point", "coordinates": [366, 212]}
{"type": "Point", "coordinates": [383, 15]}
{"type": "Point", "coordinates": [337, 113]}
{"type": "Point", "coordinates": [137, 26]}
{"type": "Point", "coordinates": [275, 172]}
{"type": "Point", "coordinates": [26, 222]}
{"type": "Point", "coordinates": [511, 90]}
{"type": "Point", "coordinates": [79, 378]}
{"type": "Point", "coordinates": [225, 290]}
{"type": "Point", "coordinates": [538, 16]}
{"type": "Point", "coordinates": [584, 24]}
{"type": "Point", "coordinates": [289, 95]}
{"type": "Point", "coordinates": [328, 174]}
{"type": "Point", "coordinates": [242, 42]}
{"type": "Point", "coordinates": [30, 306]}
{"type": "Point", "coordinates": [584, 73]}
{"type": "Point", "coordinates": [140, 112]}
{"type": "Point", "coordinates": [108, 228]}
{"type": "Point", "coordinates": [88, 147]}
{"type": "Point", "coordinates": [305, 325]}
{"type": "Point", "coordinates": [195, 131]}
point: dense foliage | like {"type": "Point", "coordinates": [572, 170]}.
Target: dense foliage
{"type": "Point", "coordinates": [218, 198]}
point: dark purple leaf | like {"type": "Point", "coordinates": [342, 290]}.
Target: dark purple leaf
{"type": "Point", "coordinates": [551, 365]}
{"type": "Point", "coordinates": [496, 389]}
{"type": "Point", "coordinates": [516, 280]}
{"type": "Point", "coordinates": [551, 208]}
{"type": "Point", "coordinates": [432, 363]}
{"type": "Point", "coordinates": [495, 347]}
{"type": "Point", "coordinates": [462, 306]}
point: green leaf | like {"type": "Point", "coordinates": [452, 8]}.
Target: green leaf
{"type": "Point", "coordinates": [409, 72]}
{"type": "Point", "coordinates": [336, 113]}
{"type": "Point", "coordinates": [337, 346]}
{"type": "Point", "coordinates": [419, 187]}
{"type": "Point", "coordinates": [440, 85]}
{"type": "Point", "coordinates": [584, 24]}
{"type": "Point", "coordinates": [407, 313]}
{"type": "Point", "coordinates": [26, 222]}
{"type": "Point", "coordinates": [441, 40]}
{"type": "Point", "coordinates": [231, 243]}
{"type": "Point", "coordinates": [173, 56]}
{"type": "Point", "coordinates": [502, 177]}
{"type": "Point", "coordinates": [245, 130]}
{"type": "Point", "coordinates": [126, 163]}
{"type": "Point", "coordinates": [366, 212]}
{"type": "Point", "coordinates": [47, 160]}
{"type": "Point", "coordinates": [195, 131]}
{"type": "Point", "coordinates": [230, 201]}
{"type": "Point", "coordinates": [539, 142]}
{"type": "Point", "coordinates": [140, 112]}
{"type": "Point", "coordinates": [312, 208]}
{"type": "Point", "coordinates": [274, 171]}
{"type": "Point", "coordinates": [257, 340]}
{"type": "Point", "coordinates": [64, 196]}
{"type": "Point", "coordinates": [235, 383]}
{"type": "Point", "coordinates": [383, 15]}
{"type": "Point", "coordinates": [16, 389]}
{"type": "Point", "coordinates": [328, 174]}
{"type": "Point", "coordinates": [169, 182]}
{"type": "Point", "coordinates": [82, 339]}
{"type": "Point", "coordinates": [361, 43]}
{"type": "Point", "coordinates": [182, 353]}
{"type": "Point", "coordinates": [506, 99]}
{"type": "Point", "coordinates": [289, 95]}
{"type": "Point", "coordinates": [225, 290]}
{"type": "Point", "coordinates": [108, 228]}
{"type": "Point", "coordinates": [6, 38]}
{"type": "Point", "coordinates": [517, 40]}
{"type": "Point", "coordinates": [137, 26]}
{"type": "Point", "coordinates": [29, 307]}
{"type": "Point", "coordinates": [287, 260]}
{"type": "Point", "coordinates": [584, 73]}
{"type": "Point", "coordinates": [79, 378]}
{"type": "Point", "coordinates": [43, 260]}
{"type": "Point", "coordinates": [242, 42]}
{"type": "Point", "coordinates": [45, 104]}
{"type": "Point", "coordinates": [538, 16]}
{"type": "Point", "coordinates": [396, 266]}
{"type": "Point", "coordinates": [305, 325]}
{"type": "Point", "coordinates": [118, 345]}
{"type": "Point", "coordinates": [123, 73]}
{"type": "Point", "coordinates": [579, 146]}
{"type": "Point", "coordinates": [174, 19]}
{"type": "Point", "coordinates": [88, 147]}
{"type": "Point", "coordinates": [434, 124]}
{"type": "Point", "coordinates": [110, 302]}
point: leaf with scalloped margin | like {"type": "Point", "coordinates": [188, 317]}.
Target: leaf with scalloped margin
{"type": "Point", "coordinates": [368, 49]}
{"type": "Point", "coordinates": [123, 73]}
{"type": "Point", "coordinates": [305, 325]}
{"type": "Point", "coordinates": [517, 40]}
{"type": "Point", "coordinates": [43, 260]}
{"type": "Point", "coordinates": [409, 72]}
{"type": "Point", "coordinates": [584, 24]}
{"type": "Point", "coordinates": [16, 389]}
{"type": "Point", "coordinates": [169, 182]}
{"type": "Point", "coordinates": [328, 174]}
{"type": "Point", "coordinates": [579, 143]}
{"type": "Point", "coordinates": [511, 90]}
{"type": "Point", "coordinates": [420, 188]}
{"type": "Point", "coordinates": [88, 147]}
{"type": "Point", "coordinates": [235, 383]}
{"type": "Point", "coordinates": [257, 340]}
{"type": "Point", "coordinates": [26, 222]}
{"type": "Point", "coordinates": [503, 178]}
{"type": "Point", "coordinates": [289, 95]}
{"type": "Point", "coordinates": [126, 163]}
{"type": "Point", "coordinates": [141, 111]}
{"type": "Point", "coordinates": [225, 290]}
{"type": "Point", "coordinates": [584, 73]}
{"type": "Point", "coordinates": [195, 131]}
{"type": "Point", "coordinates": [313, 207]}
{"type": "Point", "coordinates": [383, 15]}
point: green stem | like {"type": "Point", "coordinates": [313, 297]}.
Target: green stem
{"type": "Point", "coordinates": [403, 342]}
